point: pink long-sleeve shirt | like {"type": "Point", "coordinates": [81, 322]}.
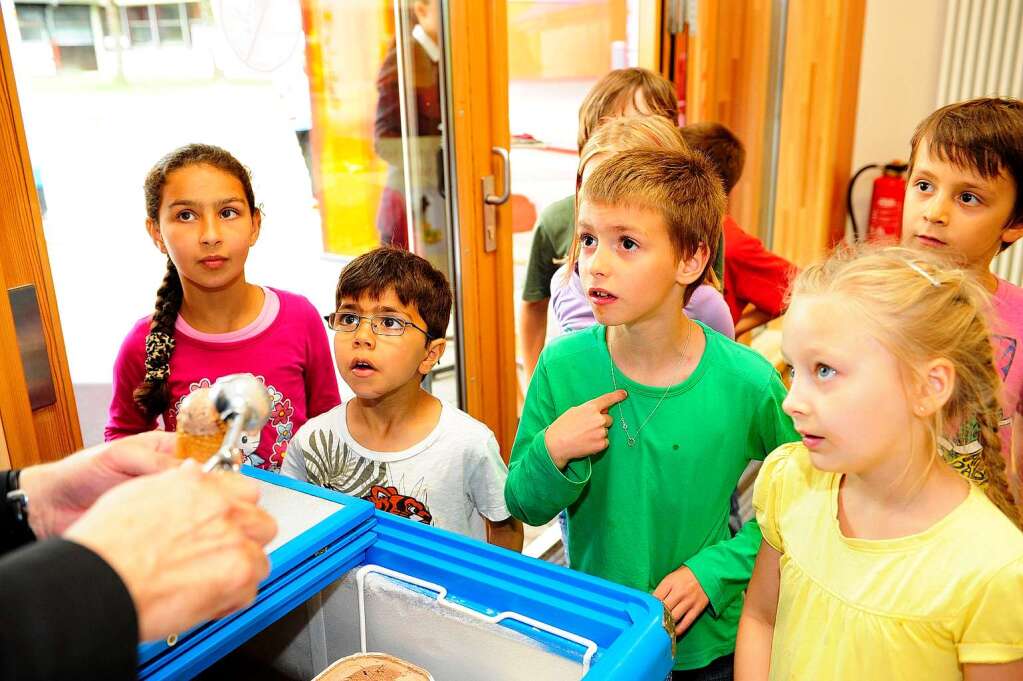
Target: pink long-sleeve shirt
{"type": "Point", "coordinates": [285, 347]}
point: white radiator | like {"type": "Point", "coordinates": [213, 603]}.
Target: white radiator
{"type": "Point", "coordinates": [983, 57]}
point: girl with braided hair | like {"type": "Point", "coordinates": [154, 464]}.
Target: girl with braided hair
{"type": "Point", "coordinates": [914, 570]}
{"type": "Point", "coordinates": [209, 321]}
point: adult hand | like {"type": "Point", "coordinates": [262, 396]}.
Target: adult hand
{"type": "Point", "coordinates": [682, 594]}
{"type": "Point", "coordinates": [59, 492]}
{"type": "Point", "coordinates": [582, 431]}
{"type": "Point", "coordinates": [188, 545]}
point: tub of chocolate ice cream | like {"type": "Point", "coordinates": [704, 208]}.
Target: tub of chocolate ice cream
{"type": "Point", "coordinates": [373, 667]}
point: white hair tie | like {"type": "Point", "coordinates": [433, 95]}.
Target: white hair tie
{"type": "Point", "coordinates": [924, 273]}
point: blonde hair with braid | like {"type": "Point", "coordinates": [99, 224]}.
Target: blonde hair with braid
{"type": "Point", "coordinates": [921, 307]}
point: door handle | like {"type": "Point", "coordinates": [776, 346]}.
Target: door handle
{"type": "Point", "coordinates": [491, 200]}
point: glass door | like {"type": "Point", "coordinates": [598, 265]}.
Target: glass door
{"type": "Point", "coordinates": [556, 53]}
{"type": "Point", "coordinates": [379, 136]}
{"type": "Point", "coordinates": [340, 110]}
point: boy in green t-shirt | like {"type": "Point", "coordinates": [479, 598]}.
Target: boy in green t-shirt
{"type": "Point", "coordinates": [641, 425]}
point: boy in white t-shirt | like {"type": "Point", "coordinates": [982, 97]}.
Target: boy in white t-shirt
{"type": "Point", "coordinates": [396, 444]}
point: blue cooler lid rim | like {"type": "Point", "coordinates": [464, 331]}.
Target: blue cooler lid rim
{"type": "Point", "coordinates": [353, 519]}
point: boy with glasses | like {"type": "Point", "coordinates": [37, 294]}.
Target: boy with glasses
{"type": "Point", "coordinates": [394, 443]}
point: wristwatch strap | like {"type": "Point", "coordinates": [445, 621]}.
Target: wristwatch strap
{"type": "Point", "coordinates": [14, 528]}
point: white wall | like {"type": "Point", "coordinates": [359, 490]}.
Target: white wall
{"type": "Point", "coordinates": [902, 43]}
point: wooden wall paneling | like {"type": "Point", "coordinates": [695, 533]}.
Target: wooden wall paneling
{"type": "Point", "coordinates": [818, 116]}
{"type": "Point", "coordinates": [479, 67]}
{"type": "Point", "coordinates": [651, 41]}
{"type": "Point", "coordinates": [51, 431]}
{"type": "Point", "coordinates": [728, 83]}
{"type": "Point", "coordinates": [666, 44]}
{"type": "Point", "coordinates": [701, 81]}
{"type": "Point", "coordinates": [748, 114]}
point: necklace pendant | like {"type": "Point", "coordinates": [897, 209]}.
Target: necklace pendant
{"type": "Point", "coordinates": [630, 440]}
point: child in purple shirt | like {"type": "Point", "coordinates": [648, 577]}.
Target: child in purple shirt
{"type": "Point", "coordinates": [573, 311]}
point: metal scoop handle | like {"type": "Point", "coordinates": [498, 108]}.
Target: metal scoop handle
{"type": "Point", "coordinates": [244, 405]}
{"type": "Point", "coordinates": [229, 456]}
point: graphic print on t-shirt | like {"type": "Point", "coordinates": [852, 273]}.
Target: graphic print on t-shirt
{"type": "Point", "coordinates": [389, 499]}
{"type": "Point", "coordinates": [280, 420]}
{"type": "Point", "coordinates": [330, 463]}
{"type": "Point", "coordinates": [964, 454]}
{"type": "Point", "coordinates": [1005, 353]}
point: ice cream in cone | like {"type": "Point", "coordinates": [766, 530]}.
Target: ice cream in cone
{"type": "Point", "coordinates": [373, 667]}
{"type": "Point", "coordinates": [200, 428]}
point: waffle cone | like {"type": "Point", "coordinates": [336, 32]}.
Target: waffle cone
{"type": "Point", "coordinates": [198, 447]}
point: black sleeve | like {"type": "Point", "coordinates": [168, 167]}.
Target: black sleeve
{"type": "Point", "coordinates": [14, 529]}
{"type": "Point", "coordinates": [64, 614]}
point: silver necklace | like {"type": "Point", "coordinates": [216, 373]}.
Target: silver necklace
{"type": "Point", "coordinates": [629, 438]}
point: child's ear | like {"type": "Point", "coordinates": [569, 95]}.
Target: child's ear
{"type": "Point", "coordinates": [935, 390]}
{"type": "Point", "coordinates": [257, 223]}
{"type": "Point", "coordinates": [692, 268]}
{"type": "Point", "coordinates": [434, 351]}
{"type": "Point", "coordinates": [1013, 232]}
{"type": "Point", "coordinates": [154, 233]}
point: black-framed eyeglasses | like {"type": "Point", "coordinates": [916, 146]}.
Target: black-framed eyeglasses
{"type": "Point", "coordinates": [381, 324]}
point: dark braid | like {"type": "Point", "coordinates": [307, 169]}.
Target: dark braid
{"type": "Point", "coordinates": [1000, 487]}
{"type": "Point", "coordinates": [978, 386]}
{"type": "Point", "coordinates": [153, 394]}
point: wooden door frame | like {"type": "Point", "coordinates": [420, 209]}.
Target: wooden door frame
{"type": "Point", "coordinates": [729, 55]}
{"type": "Point", "coordinates": [478, 67]}
{"type": "Point", "coordinates": [823, 46]}
{"type": "Point", "coordinates": [52, 431]}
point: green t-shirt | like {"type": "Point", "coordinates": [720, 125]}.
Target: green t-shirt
{"type": "Point", "coordinates": [636, 514]}
{"type": "Point", "coordinates": [552, 237]}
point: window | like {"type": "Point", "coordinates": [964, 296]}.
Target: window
{"type": "Point", "coordinates": [164, 24]}
{"type": "Point", "coordinates": [32, 22]}
{"type": "Point", "coordinates": [140, 30]}
{"type": "Point", "coordinates": [72, 25]}
{"type": "Point", "coordinates": [169, 25]}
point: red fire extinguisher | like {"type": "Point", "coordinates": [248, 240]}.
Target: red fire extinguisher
{"type": "Point", "coordinates": [885, 221]}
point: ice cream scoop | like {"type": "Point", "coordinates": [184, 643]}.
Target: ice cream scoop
{"type": "Point", "coordinates": [243, 403]}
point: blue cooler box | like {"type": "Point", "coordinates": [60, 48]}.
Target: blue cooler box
{"type": "Point", "coordinates": [346, 578]}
